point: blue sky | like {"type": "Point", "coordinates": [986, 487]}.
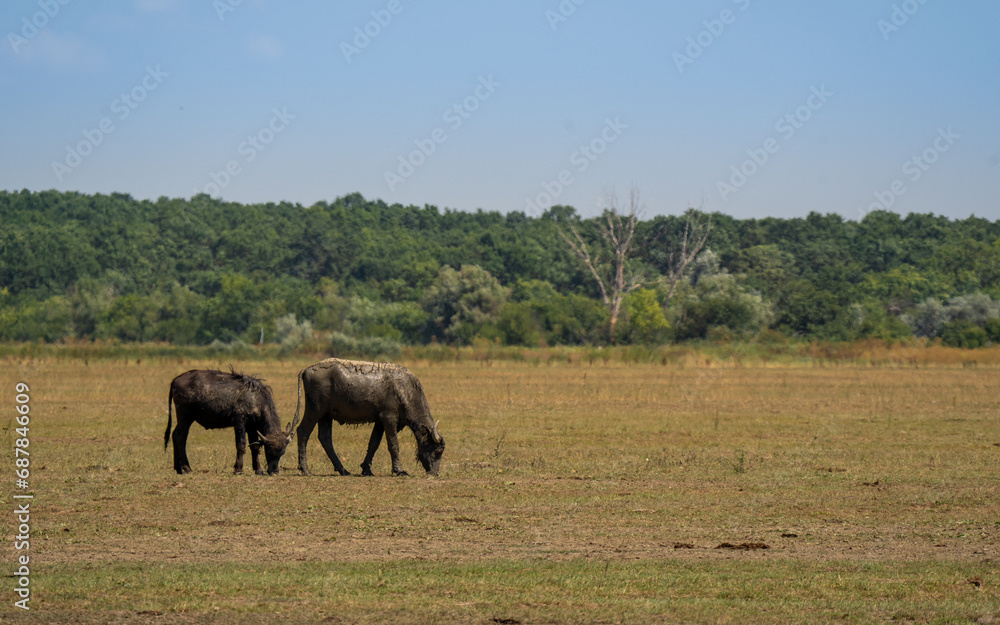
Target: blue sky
{"type": "Point", "coordinates": [745, 107]}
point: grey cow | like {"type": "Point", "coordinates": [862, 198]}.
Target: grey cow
{"type": "Point", "coordinates": [355, 393]}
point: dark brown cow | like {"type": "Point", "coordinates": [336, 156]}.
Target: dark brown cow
{"type": "Point", "coordinates": [217, 399]}
{"type": "Point", "coordinates": [353, 392]}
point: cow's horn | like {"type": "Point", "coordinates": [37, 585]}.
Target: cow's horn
{"type": "Point", "coordinates": [434, 432]}
{"type": "Point", "coordinates": [288, 430]}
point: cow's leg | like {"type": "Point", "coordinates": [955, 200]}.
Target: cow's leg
{"type": "Point", "coordinates": [241, 447]}
{"type": "Point", "coordinates": [254, 441]}
{"type": "Point", "coordinates": [302, 433]}
{"type": "Point", "coordinates": [392, 442]}
{"type": "Point", "coordinates": [373, 443]}
{"type": "Point", "coordinates": [326, 439]}
{"type": "Point", "coordinates": [179, 438]}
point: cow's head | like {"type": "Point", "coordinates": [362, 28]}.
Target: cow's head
{"type": "Point", "coordinates": [274, 447]}
{"type": "Point", "coordinates": [430, 447]}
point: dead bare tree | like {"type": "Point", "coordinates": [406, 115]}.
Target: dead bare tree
{"type": "Point", "coordinates": [618, 233]}
{"type": "Point", "coordinates": [683, 249]}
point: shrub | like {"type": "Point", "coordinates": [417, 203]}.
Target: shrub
{"type": "Point", "coordinates": [993, 330]}
{"type": "Point", "coordinates": [976, 308]}
{"type": "Point", "coordinates": [290, 333]}
{"type": "Point", "coordinates": [931, 318]}
{"type": "Point", "coordinates": [538, 315]}
{"type": "Point", "coordinates": [370, 347]}
{"type": "Point", "coordinates": [873, 321]}
{"type": "Point", "coordinates": [645, 321]}
{"type": "Point", "coordinates": [721, 302]}
{"type": "Point", "coordinates": [927, 318]}
{"type": "Point", "coordinates": [461, 302]}
{"type": "Point", "coordinates": [233, 349]}
{"type": "Point", "coordinates": [963, 333]}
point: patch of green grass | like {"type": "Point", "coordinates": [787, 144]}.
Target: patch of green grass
{"type": "Point", "coordinates": [564, 490]}
{"type": "Point", "coordinates": [740, 590]}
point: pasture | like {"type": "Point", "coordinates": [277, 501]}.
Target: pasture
{"type": "Point", "coordinates": [603, 492]}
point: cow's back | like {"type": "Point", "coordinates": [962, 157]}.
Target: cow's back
{"type": "Point", "coordinates": [354, 391]}
{"type": "Point", "coordinates": [214, 398]}
{"type": "Point", "coordinates": [195, 386]}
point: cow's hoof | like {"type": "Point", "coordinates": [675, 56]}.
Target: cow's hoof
{"type": "Point", "coordinates": [367, 472]}
{"type": "Point", "coordinates": [343, 471]}
{"type": "Point", "coordinates": [184, 469]}
{"type": "Point", "coordinates": [260, 472]}
{"type": "Point", "coordinates": [401, 473]}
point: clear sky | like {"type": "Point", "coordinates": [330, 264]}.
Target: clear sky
{"type": "Point", "coordinates": [746, 107]}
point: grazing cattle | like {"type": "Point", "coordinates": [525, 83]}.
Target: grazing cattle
{"type": "Point", "coordinates": [217, 399]}
{"type": "Point", "coordinates": [355, 393]}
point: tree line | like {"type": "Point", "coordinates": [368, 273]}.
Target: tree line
{"type": "Point", "coordinates": [365, 276]}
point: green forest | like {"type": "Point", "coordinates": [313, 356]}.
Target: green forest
{"type": "Point", "coordinates": [362, 276]}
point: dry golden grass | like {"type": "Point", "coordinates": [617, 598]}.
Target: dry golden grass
{"type": "Point", "coordinates": [581, 491]}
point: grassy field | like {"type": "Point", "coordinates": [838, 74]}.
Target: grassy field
{"type": "Point", "coordinates": [584, 491]}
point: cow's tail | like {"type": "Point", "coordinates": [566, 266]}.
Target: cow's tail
{"type": "Point", "coordinates": [298, 405]}
{"type": "Point", "coordinates": [166, 435]}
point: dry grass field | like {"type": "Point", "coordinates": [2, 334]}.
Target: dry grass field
{"type": "Point", "coordinates": [596, 492]}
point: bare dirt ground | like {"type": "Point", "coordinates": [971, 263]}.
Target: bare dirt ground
{"type": "Point", "coordinates": [456, 529]}
{"type": "Point", "coordinates": [639, 462]}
